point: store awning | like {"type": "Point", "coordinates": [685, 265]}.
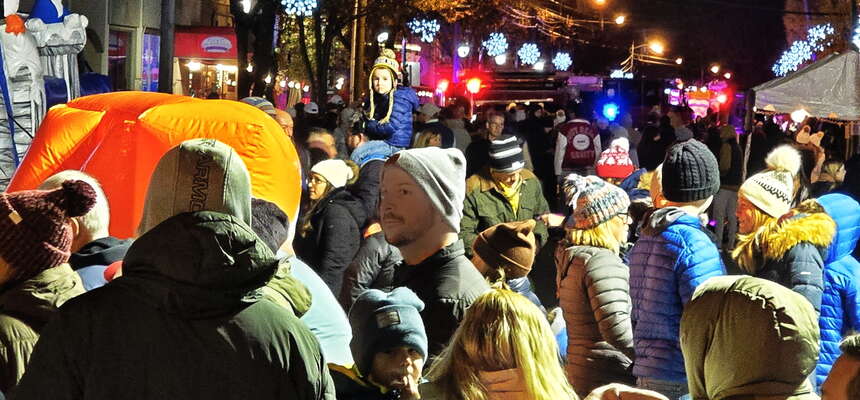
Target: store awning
{"type": "Point", "coordinates": [217, 43]}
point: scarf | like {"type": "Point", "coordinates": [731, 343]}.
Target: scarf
{"type": "Point", "coordinates": [511, 193]}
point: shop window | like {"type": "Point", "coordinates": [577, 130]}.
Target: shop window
{"type": "Point", "coordinates": [149, 64]}
{"type": "Point", "coordinates": [119, 63]}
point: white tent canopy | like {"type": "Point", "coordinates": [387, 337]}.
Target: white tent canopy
{"type": "Point", "coordinates": [828, 88]}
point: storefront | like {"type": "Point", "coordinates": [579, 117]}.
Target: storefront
{"type": "Point", "coordinates": [205, 59]}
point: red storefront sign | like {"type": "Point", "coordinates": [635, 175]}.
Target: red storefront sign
{"type": "Point", "coordinates": [205, 43]}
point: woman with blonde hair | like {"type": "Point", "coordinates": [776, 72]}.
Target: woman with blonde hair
{"type": "Point", "coordinates": [503, 349]}
{"type": "Point", "coordinates": [593, 286]}
{"type": "Point", "coordinates": [427, 139]}
{"type": "Point", "coordinates": [775, 242]}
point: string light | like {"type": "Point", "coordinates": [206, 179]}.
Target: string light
{"type": "Point", "coordinates": [496, 44]}
{"type": "Point", "coordinates": [562, 61]}
{"type": "Point", "coordinates": [801, 51]}
{"type": "Point", "coordinates": [529, 53]}
{"type": "Point", "coordinates": [426, 28]}
{"type": "Point", "coordinates": [301, 8]}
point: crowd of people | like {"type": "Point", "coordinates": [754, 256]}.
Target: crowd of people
{"type": "Point", "coordinates": [533, 252]}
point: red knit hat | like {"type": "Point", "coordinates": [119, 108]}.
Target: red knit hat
{"type": "Point", "coordinates": [615, 161]}
{"type": "Point", "coordinates": [34, 231]}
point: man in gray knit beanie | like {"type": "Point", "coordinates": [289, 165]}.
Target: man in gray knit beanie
{"type": "Point", "coordinates": [420, 207]}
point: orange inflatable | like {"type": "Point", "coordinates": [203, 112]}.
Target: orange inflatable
{"type": "Point", "coordinates": [119, 137]}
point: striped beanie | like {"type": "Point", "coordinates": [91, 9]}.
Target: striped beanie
{"type": "Point", "coordinates": [264, 105]}
{"type": "Point", "coordinates": [593, 201]}
{"type": "Point", "coordinates": [506, 155]}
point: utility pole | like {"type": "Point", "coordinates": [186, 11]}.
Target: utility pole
{"type": "Point", "coordinates": [357, 53]}
{"type": "Point", "coordinates": [165, 52]}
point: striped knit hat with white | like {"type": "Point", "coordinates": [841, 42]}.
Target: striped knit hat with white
{"type": "Point", "coordinates": [506, 155]}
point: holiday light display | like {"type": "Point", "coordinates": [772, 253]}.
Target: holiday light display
{"type": "Point", "coordinates": [426, 28]}
{"type": "Point", "coordinates": [529, 53]}
{"type": "Point", "coordinates": [300, 8]}
{"type": "Point", "coordinates": [562, 61]}
{"type": "Point", "coordinates": [496, 44]}
{"type": "Point", "coordinates": [801, 51]}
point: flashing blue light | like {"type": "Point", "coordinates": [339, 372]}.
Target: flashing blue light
{"type": "Point", "coordinates": [610, 111]}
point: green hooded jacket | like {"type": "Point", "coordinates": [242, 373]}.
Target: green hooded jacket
{"type": "Point", "coordinates": [24, 309]}
{"type": "Point", "coordinates": [187, 320]}
{"type": "Point", "coordinates": [747, 338]}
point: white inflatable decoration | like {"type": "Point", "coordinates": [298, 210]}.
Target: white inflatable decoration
{"type": "Point", "coordinates": [60, 37]}
{"type": "Point", "coordinates": [22, 87]}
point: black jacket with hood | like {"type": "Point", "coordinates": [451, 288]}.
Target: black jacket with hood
{"type": "Point", "coordinates": [334, 238]}
{"type": "Point", "coordinates": [372, 268]}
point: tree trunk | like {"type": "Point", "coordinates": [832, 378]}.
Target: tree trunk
{"type": "Point", "coordinates": [241, 23]}
{"type": "Point", "coordinates": [303, 49]}
{"type": "Point", "coordinates": [165, 59]}
{"type": "Point", "coordinates": [264, 50]}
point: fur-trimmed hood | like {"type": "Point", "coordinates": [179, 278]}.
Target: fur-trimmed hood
{"type": "Point", "coordinates": [781, 236]}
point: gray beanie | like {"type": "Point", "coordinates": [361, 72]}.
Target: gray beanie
{"type": "Point", "coordinates": [381, 321]}
{"type": "Point", "coordinates": [442, 175]}
{"type": "Point", "coordinates": [197, 175]}
{"type": "Point", "coordinates": [690, 172]}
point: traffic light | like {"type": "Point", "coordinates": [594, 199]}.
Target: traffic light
{"type": "Point", "coordinates": [473, 85]}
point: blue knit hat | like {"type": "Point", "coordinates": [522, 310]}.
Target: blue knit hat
{"type": "Point", "coordinates": [382, 321]}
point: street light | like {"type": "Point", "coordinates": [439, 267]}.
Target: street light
{"type": "Point", "coordinates": [382, 37]}
{"type": "Point", "coordinates": [600, 2]}
{"type": "Point", "coordinates": [501, 59]}
{"type": "Point", "coordinates": [727, 75]}
{"type": "Point", "coordinates": [246, 6]}
{"type": "Point", "coordinates": [715, 68]}
{"type": "Point", "coordinates": [679, 61]}
{"type": "Point", "coordinates": [619, 20]}
{"type": "Point", "coordinates": [539, 65]}
{"type": "Point", "coordinates": [656, 47]}
{"type": "Point", "coordinates": [463, 50]}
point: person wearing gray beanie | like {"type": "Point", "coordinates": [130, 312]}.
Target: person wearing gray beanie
{"type": "Point", "coordinates": [389, 345]}
{"type": "Point", "coordinates": [420, 207]}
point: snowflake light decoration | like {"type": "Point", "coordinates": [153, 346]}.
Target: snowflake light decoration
{"type": "Point", "coordinates": [562, 61]}
{"type": "Point", "coordinates": [801, 51]}
{"type": "Point", "coordinates": [426, 28]}
{"type": "Point", "coordinates": [496, 44]}
{"type": "Point", "coordinates": [301, 8]}
{"type": "Point", "coordinates": [856, 38]}
{"type": "Point", "coordinates": [529, 53]}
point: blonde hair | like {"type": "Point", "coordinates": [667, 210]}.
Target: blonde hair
{"type": "Point", "coordinates": [747, 253]}
{"type": "Point", "coordinates": [599, 236]}
{"type": "Point", "coordinates": [501, 330]}
{"type": "Point", "coordinates": [423, 139]}
{"type": "Point", "coordinates": [390, 99]}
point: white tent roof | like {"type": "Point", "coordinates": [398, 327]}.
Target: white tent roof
{"type": "Point", "coordinates": [828, 88]}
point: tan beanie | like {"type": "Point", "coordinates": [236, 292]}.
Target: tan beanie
{"type": "Point", "coordinates": [510, 246]}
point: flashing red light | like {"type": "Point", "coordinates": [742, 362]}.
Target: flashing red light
{"type": "Point", "coordinates": [473, 85]}
{"type": "Point", "coordinates": [442, 85]}
{"type": "Point", "coordinates": [722, 98]}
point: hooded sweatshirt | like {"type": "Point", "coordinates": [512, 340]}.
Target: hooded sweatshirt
{"type": "Point", "coordinates": [747, 338]}
{"type": "Point", "coordinates": [188, 319]}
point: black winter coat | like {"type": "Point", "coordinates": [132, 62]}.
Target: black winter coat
{"type": "Point", "coordinates": [448, 284]}
{"type": "Point", "coordinates": [372, 268]}
{"type": "Point", "coordinates": [334, 238]}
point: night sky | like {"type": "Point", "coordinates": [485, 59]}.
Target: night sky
{"type": "Point", "coordinates": [743, 36]}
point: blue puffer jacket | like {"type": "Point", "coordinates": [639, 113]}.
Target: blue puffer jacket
{"type": "Point", "coordinates": [398, 130]}
{"type": "Point", "coordinates": [840, 313]}
{"type": "Point", "coordinates": [672, 257]}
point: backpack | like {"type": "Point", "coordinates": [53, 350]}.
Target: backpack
{"type": "Point", "coordinates": [580, 150]}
